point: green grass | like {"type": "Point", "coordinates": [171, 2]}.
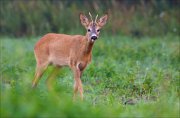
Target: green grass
{"type": "Point", "coordinates": [127, 78]}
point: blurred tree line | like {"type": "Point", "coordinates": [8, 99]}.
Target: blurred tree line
{"type": "Point", "coordinates": [126, 17]}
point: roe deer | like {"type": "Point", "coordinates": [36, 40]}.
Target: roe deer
{"type": "Point", "coordinates": [74, 51]}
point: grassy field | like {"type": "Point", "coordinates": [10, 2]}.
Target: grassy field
{"type": "Point", "coordinates": [128, 77]}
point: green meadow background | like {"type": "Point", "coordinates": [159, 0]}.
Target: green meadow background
{"type": "Point", "coordinates": [134, 71]}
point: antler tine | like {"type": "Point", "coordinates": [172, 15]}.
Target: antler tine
{"type": "Point", "coordinates": [90, 16]}
{"type": "Point", "coordinates": [96, 18]}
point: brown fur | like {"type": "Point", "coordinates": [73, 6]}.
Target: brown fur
{"type": "Point", "coordinates": [60, 50]}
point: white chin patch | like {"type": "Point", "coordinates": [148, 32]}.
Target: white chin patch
{"type": "Point", "coordinates": [92, 40]}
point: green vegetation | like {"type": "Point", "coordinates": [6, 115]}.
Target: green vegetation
{"type": "Point", "coordinates": [136, 75]}
{"type": "Point", "coordinates": [128, 77]}
{"type": "Point", "coordinates": [130, 17]}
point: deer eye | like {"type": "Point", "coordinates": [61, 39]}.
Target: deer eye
{"type": "Point", "coordinates": [89, 30]}
{"type": "Point", "coordinates": [98, 30]}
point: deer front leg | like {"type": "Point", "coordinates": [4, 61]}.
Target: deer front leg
{"type": "Point", "coordinates": [77, 83]}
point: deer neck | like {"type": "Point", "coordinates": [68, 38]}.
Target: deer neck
{"type": "Point", "coordinates": [88, 46]}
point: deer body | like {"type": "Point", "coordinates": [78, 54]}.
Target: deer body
{"type": "Point", "coordinates": [61, 50]}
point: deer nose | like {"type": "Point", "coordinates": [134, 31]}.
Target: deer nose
{"type": "Point", "coordinates": [94, 37]}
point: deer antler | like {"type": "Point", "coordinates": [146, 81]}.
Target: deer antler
{"type": "Point", "coordinates": [90, 16]}
{"type": "Point", "coordinates": [96, 18]}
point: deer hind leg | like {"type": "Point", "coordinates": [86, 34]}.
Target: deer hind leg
{"type": "Point", "coordinates": [51, 77]}
{"type": "Point", "coordinates": [39, 72]}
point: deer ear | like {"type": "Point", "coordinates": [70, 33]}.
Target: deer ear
{"type": "Point", "coordinates": [102, 21]}
{"type": "Point", "coordinates": [84, 20]}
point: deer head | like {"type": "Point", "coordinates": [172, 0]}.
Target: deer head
{"type": "Point", "coordinates": [93, 27]}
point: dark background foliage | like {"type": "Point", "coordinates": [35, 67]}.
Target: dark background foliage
{"type": "Point", "coordinates": [126, 17]}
